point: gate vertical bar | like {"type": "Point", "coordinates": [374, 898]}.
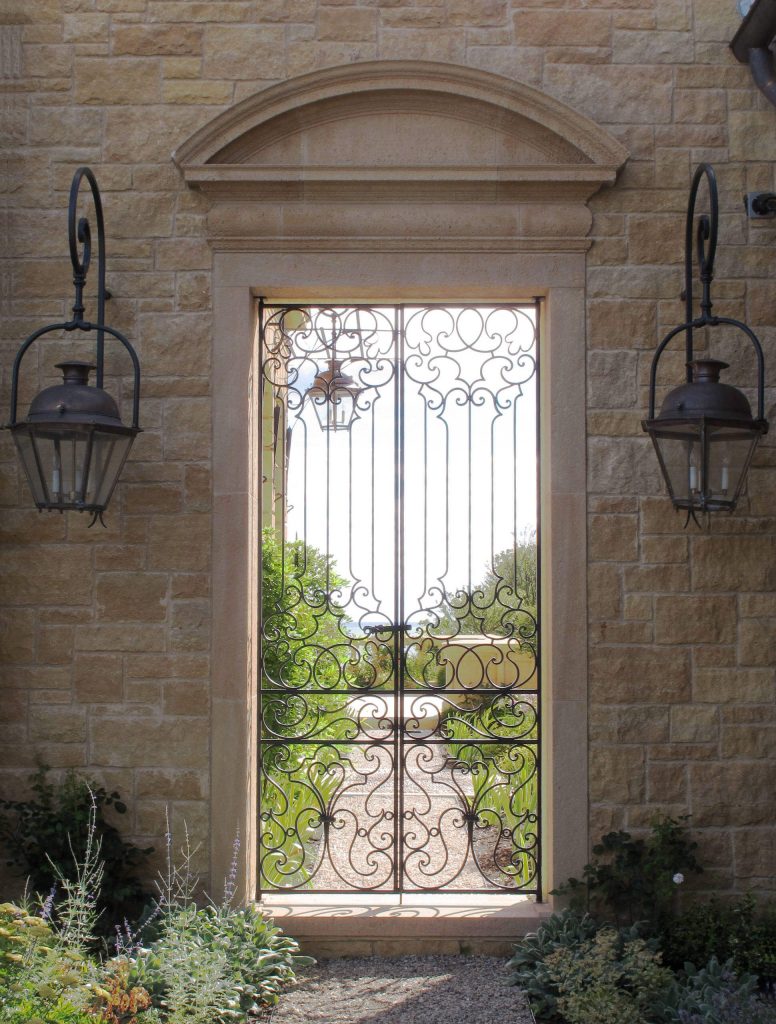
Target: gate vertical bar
{"type": "Point", "coordinates": [399, 637]}
{"type": "Point", "coordinates": [540, 694]}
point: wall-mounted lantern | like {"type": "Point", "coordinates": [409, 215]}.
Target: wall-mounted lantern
{"type": "Point", "coordinates": [705, 434]}
{"type": "Point", "coordinates": [333, 394]}
{"type": "Point", "coordinates": [73, 444]}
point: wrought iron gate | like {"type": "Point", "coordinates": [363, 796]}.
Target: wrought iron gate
{"type": "Point", "coordinates": [399, 689]}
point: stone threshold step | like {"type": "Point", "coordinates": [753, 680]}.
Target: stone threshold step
{"type": "Point", "coordinates": [369, 925]}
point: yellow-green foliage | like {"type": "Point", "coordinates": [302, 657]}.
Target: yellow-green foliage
{"type": "Point", "coordinates": [36, 972]}
{"type": "Point", "coordinates": [607, 980]}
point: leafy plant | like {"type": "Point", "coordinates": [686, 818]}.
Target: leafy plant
{"type": "Point", "coordinates": [611, 978]}
{"type": "Point", "coordinates": [216, 963]}
{"type": "Point", "coordinates": [714, 994]}
{"type": "Point", "coordinates": [566, 930]}
{"type": "Point", "coordinates": [741, 932]}
{"type": "Point", "coordinates": [45, 835]}
{"type": "Point", "coordinates": [635, 879]}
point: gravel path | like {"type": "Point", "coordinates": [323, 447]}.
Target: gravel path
{"type": "Point", "coordinates": [405, 990]}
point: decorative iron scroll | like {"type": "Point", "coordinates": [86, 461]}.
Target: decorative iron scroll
{"type": "Point", "coordinates": [399, 691]}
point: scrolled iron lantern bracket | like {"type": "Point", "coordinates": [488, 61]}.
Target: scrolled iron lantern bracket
{"type": "Point", "coordinates": [705, 434]}
{"type": "Point", "coordinates": [73, 444]}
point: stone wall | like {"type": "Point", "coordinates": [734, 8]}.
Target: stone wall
{"type": "Point", "coordinates": [105, 633]}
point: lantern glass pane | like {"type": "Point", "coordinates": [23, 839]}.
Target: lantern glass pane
{"type": "Point", "coordinates": [63, 459]}
{"type": "Point", "coordinates": [730, 451]}
{"type": "Point", "coordinates": [109, 452]}
{"type": "Point", "coordinates": [26, 447]}
{"type": "Point", "coordinates": [681, 457]}
{"type": "Point", "coordinates": [341, 410]}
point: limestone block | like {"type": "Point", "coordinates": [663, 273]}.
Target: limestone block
{"type": "Point", "coordinates": [145, 499]}
{"type": "Point", "coordinates": [617, 774]}
{"type": "Point", "coordinates": [197, 11]}
{"type": "Point", "coordinates": [757, 641]}
{"type": "Point", "coordinates": [131, 597]}
{"type": "Point", "coordinates": [175, 342]}
{"type": "Point", "coordinates": [147, 133]}
{"type": "Point", "coordinates": [621, 466]}
{"type": "Point", "coordinates": [729, 793]}
{"type": "Point", "coordinates": [189, 584]}
{"type": "Point", "coordinates": [642, 724]}
{"type": "Point", "coordinates": [715, 20]}
{"type": "Point", "coordinates": [170, 784]}
{"type": "Point", "coordinates": [243, 51]}
{"type": "Point", "coordinates": [695, 619]}
{"type": "Point", "coordinates": [694, 723]}
{"type": "Point", "coordinates": [345, 24]}
{"type": "Point", "coordinates": [749, 741]}
{"type": "Point", "coordinates": [198, 489]}
{"type": "Point", "coordinates": [613, 538]}
{"type": "Point", "coordinates": [61, 724]}
{"type": "Point", "coordinates": [202, 93]}
{"type": "Point", "coordinates": [667, 783]}
{"type": "Point", "coordinates": [651, 47]}
{"type": "Point", "coordinates": [55, 645]}
{"type": "Point", "coordinates": [187, 428]}
{"type": "Point", "coordinates": [138, 741]}
{"type": "Point", "coordinates": [179, 542]}
{"type": "Point", "coordinates": [157, 40]}
{"type": "Point", "coordinates": [563, 28]}
{"type": "Point", "coordinates": [611, 423]}
{"type": "Point", "coordinates": [651, 239]}
{"type": "Point", "coordinates": [638, 606]}
{"type": "Point", "coordinates": [190, 626]}
{"type": "Point", "coordinates": [639, 675]}
{"type": "Point", "coordinates": [17, 635]}
{"type": "Point", "coordinates": [656, 578]}
{"type": "Point", "coordinates": [423, 44]}
{"type": "Point", "coordinates": [733, 563]}
{"type": "Point", "coordinates": [97, 677]}
{"type": "Point", "coordinates": [186, 698]}
{"type": "Point", "coordinates": [476, 13]}
{"type": "Point", "coordinates": [755, 851]}
{"type": "Point", "coordinates": [193, 292]}
{"type": "Point", "coordinates": [613, 93]}
{"type": "Point", "coordinates": [621, 632]}
{"type": "Point", "coordinates": [104, 80]}
{"type": "Point", "coordinates": [167, 666]}
{"type": "Point", "coordinates": [59, 578]}
{"type": "Point", "coordinates": [611, 380]}
{"type": "Point", "coordinates": [751, 135]}
{"type": "Point", "coordinates": [126, 637]}
{"type": "Point", "coordinates": [663, 549]}
{"type": "Point", "coordinates": [604, 591]}
{"type": "Point", "coordinates": [719, 685]}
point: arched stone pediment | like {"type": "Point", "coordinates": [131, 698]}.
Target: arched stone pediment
{"type": "Point", "coordinates": [389, 132]}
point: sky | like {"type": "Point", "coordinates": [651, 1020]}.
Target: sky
{"type": "Point", "coordinates": [466, 461]}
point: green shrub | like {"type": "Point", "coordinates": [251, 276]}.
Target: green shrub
{"type": "Point", "coordinates": [633, 880]}
{"type": "Point", "coordinates": [44, 835]}
{"type": "Point", "coordinates": [713, 995]}
{"type": "Point", "coordinates": [740, 931]}
{"type": "Point", "coordinates": [220, 962]}
{"type": "Point", "coordinates": [567, 930]}
{"type": "Point", "coordinates": [612, 978]}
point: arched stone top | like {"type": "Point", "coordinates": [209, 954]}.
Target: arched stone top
{"type": "Point", "coordinates": [344, 158]}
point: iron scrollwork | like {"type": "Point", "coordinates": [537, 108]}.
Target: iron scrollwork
{"type": "Point", "coordinates": [400, 714]}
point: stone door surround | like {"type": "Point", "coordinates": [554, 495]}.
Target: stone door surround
{"type": "Point", "coordinates": [397, 181]}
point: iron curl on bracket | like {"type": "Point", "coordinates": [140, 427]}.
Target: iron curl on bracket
{"type": "Point", "coordinates": [704, 233]}
{"type": "Point", "coordinates": [80, 234]}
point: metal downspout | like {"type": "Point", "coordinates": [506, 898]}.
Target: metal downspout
{"type": "Point", "coordinates": [761, 64]}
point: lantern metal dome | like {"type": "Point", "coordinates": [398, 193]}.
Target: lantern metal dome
{"type": "Point", "coordinates": [705, 434]}
{"type": "Point", "coordinates": [73, 443]}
